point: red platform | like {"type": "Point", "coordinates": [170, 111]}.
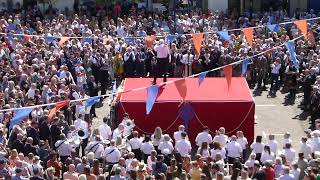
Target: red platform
{"type": "Point", "coordinates": [214, 105]}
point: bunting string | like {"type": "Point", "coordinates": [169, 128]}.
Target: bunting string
{"type": "Point", "coordinates": [158, 36]}
{"type": "Point", "coordinates": [160, 84]}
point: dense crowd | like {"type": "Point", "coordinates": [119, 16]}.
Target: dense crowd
{"type": "Point", "coordinates": [37, 69]}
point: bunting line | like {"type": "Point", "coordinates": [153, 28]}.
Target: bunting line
{"type": "Point", "coordinates": [158, 36]}
{"type": "Point", "coordinates": [160, 84]}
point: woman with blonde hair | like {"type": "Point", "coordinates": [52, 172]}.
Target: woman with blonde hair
{"type": "Point", "coordinates": [13, 158]}
{"type": "Point", "coordinates": [157, 138]}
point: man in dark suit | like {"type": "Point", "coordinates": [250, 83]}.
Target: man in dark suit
{"type": "Point", "coordinates": [33, 132]}
{"type": "Point", "coordinates": [29, 148]}
{"type": "Point", "coordinates": [93, 89]}
{"type": "Point", "coordinates": [18, 143]}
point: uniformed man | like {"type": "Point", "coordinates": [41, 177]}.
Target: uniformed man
{"type": "Point", "coordinates": [112, 155]}
{"type": "Point", "coordinates": [96, 147]}
{"type": "Point", "coordinates": [63, 147]}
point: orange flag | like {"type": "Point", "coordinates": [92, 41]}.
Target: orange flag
{"type": "Point", "coordinates": [181, 87]}
{"type": "Point", "coordinates": [149, 41]}
{"type": "Point", "coordinates": [228, 74]}
{"type": "Point", "coordinates": [59, 105]}
{"type": "Point", "coordinates": [303, 26]}
{"type": "Point", "coordinates": [197, 41]}
{"type": "Point", "coordinates": [248, 32]}
{"type": "Point", "coordinates": [311, 38]}
{"type": "Point", "coordinates": [63, 40]}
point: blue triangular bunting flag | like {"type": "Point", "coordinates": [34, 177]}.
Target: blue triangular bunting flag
{"type": "Point", "coordinates": [201, 77]}
{"type": "Point", "coordinates": [186, 113]}
{"type": "Point", "coordinates": [292, 53]}
{"type": "Point", "coordinates": [49, 39]}
{"type": "Point", "coordinates": [130, 40]}
{"type": "Point", "coordinates": [245, 66]}
{"type": "Point", "coordinates": [171, 38]}
{"type": "Point", "coordinates": [88, 40]}
{"type": "Point", "coordinates": [91, 101]}
{"type": "Point", "coordinates": [20, 114]}
{"type": "Point", "coordinates": [152, 94]}
{"type": "Point", "coordinates": [273, 27]}
{"type": "Point", "coordinates": [224, 35]}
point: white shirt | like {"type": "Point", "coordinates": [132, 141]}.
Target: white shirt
{"type": "Point", "coordinates": [105, 131]}
{"type": "Point", "coordinates": [315, 144]}
{"type": "Point", "coordinates": [234, 149]}
{"type": "Point", "coordinates": [80, 124]}
{"type": "Point", "coordinates": [116, 133]}
{"type": "Point", "coordinates": [243, 142]}
{"type": "Point", "coordinates": [203, 137]}
{"type": "Point", "coordinates": [177, 136]}
{"type": "Point", "coordinates": [95, 147]}
{"type": "Point", "coordinates": [214, 152]}
{"type": "Point", "coordinates": [290, 154]}
{"type": "Point", "coordinates": [306, 150]}
{"type": "Point", "coordinates": [112, 154]}
{"type": "Point", "coordinates": [296, 173]}
{"type": "Point", "coordinates": [187, 59]}
{"type": "Point", "coordinates": [221, 139]}
{"type": "Point", "coordinates": [250, 163]}
{"type": "Point", "coordinates": [155, 141]}
{"type": "Point", "coordinates": [275, 68]}
{"type": "Point", "coordinates": [183, 147]}
{"type": "Point", "coordinates": [162, 50]}
{"type": "Point", "coordinates": [165, 145]}
{"type": "Point", "coordinates": [257, 147]}
{"type": "Point", "coordinates": [64, 149]}
{"type": "Point", "coordinates": [286, 177]}
{"type": "Point", "coordinates": [135, 143]}
{"type": "Point", "coordinates": [128, 126]}
{"type": "Point", "coordinates": [265, 156]}
{"type": "Point", "coordinates": [273, 144]}
{"type": "Point", "coordinates": [147, 147]}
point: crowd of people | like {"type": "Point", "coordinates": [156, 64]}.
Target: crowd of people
{"type": "Point", "coordinates": [38, 70]}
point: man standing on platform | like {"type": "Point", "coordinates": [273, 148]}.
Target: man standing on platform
{"type": "Point", "coordinates": [163, 52]}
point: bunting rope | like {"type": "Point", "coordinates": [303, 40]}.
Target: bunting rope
{"type": "Point", "coordinates": [141, 130]}
{"type": "Point", "coordinates": [161, 84]}
{"type": "Point", "coordinates": [158, 36]}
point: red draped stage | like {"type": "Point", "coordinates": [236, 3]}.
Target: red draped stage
{"type": "Point", "coordinates": [213, 104]}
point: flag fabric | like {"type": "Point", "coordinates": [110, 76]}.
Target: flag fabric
{"type": "Point", "coordinates": [20, 115]}
{"type": "Point", "coordinates": [58, 106]}
{"type": "Point", "coordinates": [149, 41]}
{"type": "Point", "coordinates": [88, 40]}
{"type": "Point", "coordinates": [91, 101]}
{"type": "Point", "coordinates": [63, 40]}
{"type": "Point", "coordinates": [197, 41]}
{"type": "Point", "coordinates": [248, 32]}
{"type": "Point", "coordinates": [181, 87]}
{"type": "Point", "coordinates": [186, 113]}
{"type": "Point", "coordinates": [292, 53]}
{"type": "Point", "coordinates": [274, 27]}
{"type": "Point", "coordinates": [311, 38]}
{"type": "Point", "coordinates": [245, 66]}
{"type": "Point", "coordinates": [152, 94]}
{"type": "Point", "coordinates": [228, 74]}
{"type": "Point", "coordinates": [201, 77]}
{"type": "Point", "coordinates": [303, 26]}
{"type": "Point", "coordinates": [129, 40]}
{"type": "Point", "coordinates": [49, 39]}
{"type": "Point", "coordinates": [171, 38]}
{"type": "Point", "coordinates": [224, 35]}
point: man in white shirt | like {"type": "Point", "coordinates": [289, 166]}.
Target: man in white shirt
{"type": "Point", "coordinates": [63, 148]}
{"type": "Point", "coordinates": [177, 134]}
{"type": "Point", "coordinates": [289, 153]}
{"type": "Point", "coordinates": [135, 144]}
{"type": "Point", "coordinates": [112, 154]}
{"type": "Point", "coordinates": [234, 150]}
{"type": "Point", "coordinates": [96, 147]}
{"type": "Point", "coordinates": [128, 124]}
{"type": "Point", "coordinates": [243, 142]}
{"type": "Point", "coordinates": [105, 130]}
{"type": "Point", "coordinates": [183, 146]}
{"type": "Point", "coordinates": [220, 137]}
{"type": "Point", "coordinates": [273, 144]}
{"type": "Point", "coordinates": [305, 148]}
{"type": "Point", "coordinates": [162, 50]}
{"type": "Point", "coordinates": [275, 68]}
{"type": "Point", "coordinates": [118, 132]}
{"type": "Point", "coordinates": [187, 60]}
{"type": "Point", "coordinates": [204, 136]}
{"type": "Point", "coordinates": [166, 144]}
